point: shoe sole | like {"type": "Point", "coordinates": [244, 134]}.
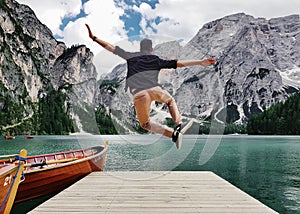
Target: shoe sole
{"type": "Point", "coordinates": [187, 126]}
{"type": "Point", "coordinates": [179, 141]}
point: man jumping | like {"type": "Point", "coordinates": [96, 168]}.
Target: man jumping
{"type": "Point", "coordinates": [143, 68]}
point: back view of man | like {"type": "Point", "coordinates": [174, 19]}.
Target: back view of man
{"type": "Point", "coordinates": [143, 69]}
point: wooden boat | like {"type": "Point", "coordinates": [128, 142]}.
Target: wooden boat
{"type": "Point", "coordinates": [10, 178]}
{"type": "Point", "coordinates": [8, 137]}
{"type": "Point", "coordinates": [49, 174]}
{"type": "Point", "coordinates": [28, 137]}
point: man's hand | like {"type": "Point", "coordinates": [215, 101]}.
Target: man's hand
{"type": "Point", "coordinates": [104, 44]}
{"type": "Point", "coordinates": [91, 35]}
{"type": "Point", "coordinates": [207, 62]}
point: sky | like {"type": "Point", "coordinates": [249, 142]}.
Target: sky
{"type": "Point", "coordinates": [123, 22]}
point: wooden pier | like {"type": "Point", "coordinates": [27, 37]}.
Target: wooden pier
{"type": "Point", "coordinates": [152, 192]}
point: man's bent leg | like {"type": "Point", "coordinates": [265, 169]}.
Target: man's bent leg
{"type": "Point", "coordinates": [173, 109]}
{"type": "Point", "coordinates": [163, 96]}
{"type": "Point", "coordinates": [142, 103]}
{"type": "Point", "coordinates": [157, 128]}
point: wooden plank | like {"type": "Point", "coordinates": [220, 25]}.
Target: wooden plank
{"type": "Point", "coordinates": [152, 192]}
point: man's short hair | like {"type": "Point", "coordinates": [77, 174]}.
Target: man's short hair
{"type": "Point", "coordinates": [146, 45]}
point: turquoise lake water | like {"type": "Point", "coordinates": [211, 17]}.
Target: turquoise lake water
{"type": "Point", "coordinates": [265, 167]}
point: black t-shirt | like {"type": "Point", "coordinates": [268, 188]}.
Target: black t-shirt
{"type": "Point", "coordinates": [143, 68]}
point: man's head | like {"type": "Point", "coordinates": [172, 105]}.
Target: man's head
{"type": "Point", "coordinates": [146, 45]}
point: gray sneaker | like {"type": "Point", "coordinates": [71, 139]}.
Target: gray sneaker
{"type": "Point", "coordinates": [177, 138]}
{"type": "Point", "coordinates": [179, 131]}
{"type": "Point", "coordinates": [176, 133]}
{"type": "Point", "coordinates": [186, 125]}
{"type": "Point", "coordinates": [179, 141]}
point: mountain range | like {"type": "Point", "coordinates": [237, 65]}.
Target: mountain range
{"type": "Point", "coordinates": [258, 66]}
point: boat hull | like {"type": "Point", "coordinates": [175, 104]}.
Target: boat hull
{"type": "Point", "coordinates": [28, 137]}
{"type": "Point", "coordinates": [7, 137]}
{"type": "Point", "coordinates": [10, 178]}
{"type": "Point", "coordinates": [53, 179]}
{"type": "Point", "coordinates": [6, 180]}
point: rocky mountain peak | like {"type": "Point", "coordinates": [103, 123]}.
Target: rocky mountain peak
{"type": "Point", "coordinates": [258, 66]}
{"type": "Point", "coordinates": [33, 63]}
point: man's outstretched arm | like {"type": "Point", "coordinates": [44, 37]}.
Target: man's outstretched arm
{"type": "Point", "coordinates": [104, 44]}
{"type": "Point", "coordinates": [204, 62]}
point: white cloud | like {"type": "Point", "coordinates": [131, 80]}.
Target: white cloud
{"type": "Point", "coordinates": [51, 12]}
{"type": "Point", "coordinates": [186, 17]}
{"type": "Point", "coordinates": [103, 18]}
{"type": "Point", "coordinates": [146, 10]}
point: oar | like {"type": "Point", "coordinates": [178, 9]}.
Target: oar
{"type": "Point", "coordinates": [8, 156]}
{"type": "Point", "coordinates": [10, 160]}
{"type": "Point", "coordinates": [16, 182]}
{"type": "Point", "coordinates": [50, 162]}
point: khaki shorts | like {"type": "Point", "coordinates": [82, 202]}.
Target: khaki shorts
{"type": "Point", "coordinates": [142, 103]}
